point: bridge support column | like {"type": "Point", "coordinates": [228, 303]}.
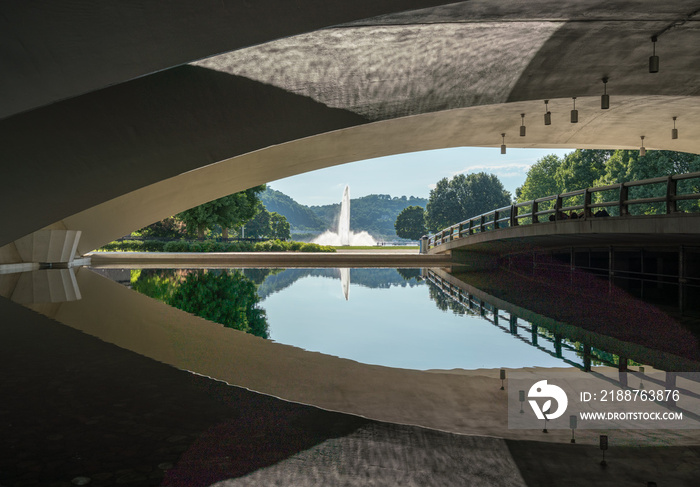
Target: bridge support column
{"type": "Point", "coordinates": [49, 246]}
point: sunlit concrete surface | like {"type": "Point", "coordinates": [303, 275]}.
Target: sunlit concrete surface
{"type": "Point", "coordinates": [375, 258]}
{"type": "Point", "coordinates": [156, 115]}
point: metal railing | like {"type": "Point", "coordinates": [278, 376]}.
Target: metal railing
{"type": "Point", "coordinates": [513, 215]}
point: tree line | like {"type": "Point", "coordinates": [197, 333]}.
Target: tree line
{"type": "Point", "coordinates": [465, 196]}
{"type": "Point", "coordinates": [240, 214]}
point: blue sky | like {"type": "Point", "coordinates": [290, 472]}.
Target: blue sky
{"type": "Point", "coordinates": [412, 174]}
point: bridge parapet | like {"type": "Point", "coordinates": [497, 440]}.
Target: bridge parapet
{"type": "Point", "coordinates": [584, 204]}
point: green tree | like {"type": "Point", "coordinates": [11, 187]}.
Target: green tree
{"type": "Point", "coordinates": [168, 228]}
{"type": "Point", "coordinates": [551, 175]}
{"type": "Point", "coordinates": [259, 225]}
{"type": "Point", "coordinates": [540, 180]}
{"type": "Point", "coordinates": [267, 224]}
{"type": "Point", "coordinates": [580, 169]}
{"type": "Point", "coordinates": [463, 197]}
{"type": "Point", "coordinates": [224, 297]}
{"type": "Point", "coordinates": [228, 212]}
{"type": "Point", "coordinates": [154, 283]}
{"type": "Point", "coordinates": [411, 223]}
{"type": "Point", "coordinates": [628, 165]}
{"type": "Point", "coordinates": [279, 227]}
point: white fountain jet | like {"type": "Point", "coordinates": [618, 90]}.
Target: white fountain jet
{"type": "Point", "coordinates": [343, 236]}
{"type": "Point", "coordinates": [344, 221]}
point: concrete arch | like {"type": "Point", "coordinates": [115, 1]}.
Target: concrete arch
{"type": "Point", "coordinates": [462, 127]}
{"type": "Point", "coordinates": [94, 147]}
{"type": "Point", "coordinates": [56, 52]}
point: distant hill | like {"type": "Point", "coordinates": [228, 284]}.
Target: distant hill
{"type": "Point", "coordinates": [375, 213]}
{"type": "Point", "coordinates": [300, 217]}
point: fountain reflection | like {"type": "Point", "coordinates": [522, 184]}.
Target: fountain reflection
{"type": "Point", "coordinates": [345, 282]}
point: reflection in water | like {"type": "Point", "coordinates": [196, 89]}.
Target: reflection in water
{"type": "Point", "coordinates": [223, 296]}
{"type": "Point", "coordinates": [581, 324]}
{"type": "Point", "coordinates": [462, 401]}
{"type": "Point", "coordinates": [276, 280]}
{"type": "Point", "coordinates": [345, 282]}
{"type": "Point", "coordinates": [575, 311]}
{"type": "Point", "coordinates": [41, 286]}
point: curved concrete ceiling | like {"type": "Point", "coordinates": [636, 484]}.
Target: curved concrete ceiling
{"type": "Point", "coordinates": [452, 75]}
{"type": "Point", "coordinates": [52, 52]}
{"type": "Point", "coordinates": [448, 128]}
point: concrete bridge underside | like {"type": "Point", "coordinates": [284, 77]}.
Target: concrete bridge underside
{"type": "Point", "coordinates": [113, 117]}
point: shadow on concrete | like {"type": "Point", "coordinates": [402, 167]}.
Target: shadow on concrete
{"type": "Point", "coordinates": [551, 464]}
{"type": "Point", "coordinates": [76, 406]}
{"type": "Point", "coordinates": [114, 141]}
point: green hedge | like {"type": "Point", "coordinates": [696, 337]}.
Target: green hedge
{"type": "Point", "coordinates": [134, 246]}
{"type": "Point", "coordinates": [213, 246]}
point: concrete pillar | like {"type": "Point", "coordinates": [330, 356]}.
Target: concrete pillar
{"type": "Point", "coordinates": [49, 246]}
{"type": "Point", "coordinates": [424, 244]}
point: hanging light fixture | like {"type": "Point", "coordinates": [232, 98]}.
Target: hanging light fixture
{"type": "Point", "coordinates": [642, 150]}
{"type": "Point", "coordinates": [605, 98]}
{"type": "Point", "coordinates": [503, 146]}
{"type": "Point", "coordinates": [674, 132]}
{"type": "Point", "coordinates": [547, 114]}
{"type": "Point", "coordinates": [653, 59]}
{"type": "Point", "coordinates": [522, 125]}
{"type": "Point", "coordinates": [574, 112]}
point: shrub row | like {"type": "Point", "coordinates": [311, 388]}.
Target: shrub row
{"type": "Point", "coordinates": [213, 246]}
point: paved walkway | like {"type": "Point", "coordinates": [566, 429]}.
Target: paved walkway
{"type": "Point", "coordinates": [342, 258]}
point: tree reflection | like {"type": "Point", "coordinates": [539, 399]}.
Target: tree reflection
{"type": "Point", "coordinates": [225, 297]}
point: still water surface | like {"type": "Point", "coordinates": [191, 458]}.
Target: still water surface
{"type": "Point", "coordinates": [390, 317]}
